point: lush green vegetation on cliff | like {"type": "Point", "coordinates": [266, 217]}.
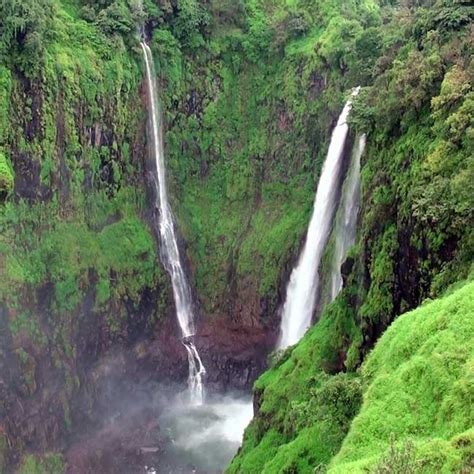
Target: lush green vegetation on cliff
{"type": "Point", "coordinates": [249, 103]}
{"type": "Point", "coordinates": [78, 260]}
{"type": "Point", "coordinates": [418, 383]}
{"type": "Point", "coordinates": [417, 394]}
{"type": "Point", "coordinates": [70, 120]}
{"type": "Point", "coordinates": [303, 412]}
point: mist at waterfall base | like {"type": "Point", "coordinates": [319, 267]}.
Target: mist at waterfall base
{"type": "Point", "coordinates": [144, 426]}
{"type": "Point", "coordinates": [203, 438]}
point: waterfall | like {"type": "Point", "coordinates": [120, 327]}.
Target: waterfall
{"type": "Point", "coordinates": [346, 217]}
{"type": "Point", "coordinates": [303, 285]}
{"type": "Point", "coordinates": [169, 246]}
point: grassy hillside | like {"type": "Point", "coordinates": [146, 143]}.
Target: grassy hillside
{"type": "Point", "coordinates": [419, 386]}
{"type": "Point", "coordinates": [412, 398]}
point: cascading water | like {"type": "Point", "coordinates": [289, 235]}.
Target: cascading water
{"type": "Point", "coordinates": [303, 285]}
{"type": "Point", "coordinates": [346, 217]}
{"type": "Point", "coordinates": [169, 245]}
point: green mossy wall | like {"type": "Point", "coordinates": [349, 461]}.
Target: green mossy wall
{"type": "Point", "coordinates": [79, 258]}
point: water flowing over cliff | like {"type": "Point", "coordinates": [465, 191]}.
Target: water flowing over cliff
{"type": "Point", "coordinates": [169, 245]}
{"type": "Point", "coordinates": [304, 281]}
{"type": "Point", "coordinates": [346, 216]}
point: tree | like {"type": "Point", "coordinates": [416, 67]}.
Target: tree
{"type": "Point", "coordinates": [23, 29]}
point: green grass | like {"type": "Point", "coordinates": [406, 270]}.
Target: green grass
{"type": "Point", "coordinates": [419, 381]}
{"type": "Point", "coordinates": [303, 413]}
{"type": "Point", "coordinates": [6, 176]}
{"type": "Point", "coordinates": [47, 464]}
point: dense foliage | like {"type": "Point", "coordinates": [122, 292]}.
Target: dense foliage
{"type": "Point", "coordinates": [418, 390]}
{"type": "Point", "coordinates": [250, 99]}
{"type": "Point", "coordinates": [75, 250]}
{"type": "Point", "coordinates": [250, 90]}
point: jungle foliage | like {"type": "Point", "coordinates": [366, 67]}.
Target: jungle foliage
{"type": "Point", "coordinates": [415, 239]}
{"type": "Point", "coordinates": [250, 91]}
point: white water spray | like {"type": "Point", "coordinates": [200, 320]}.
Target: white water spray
{"type": "Point", "coordinates": [303, 285]}
{"type": "Point", "coordinates": [346, 218]}
{"type": "Point", "coordinates": [169, 245]}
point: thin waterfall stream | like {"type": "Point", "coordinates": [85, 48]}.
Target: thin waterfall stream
{"type": "Point", "coordinates": [304, 281]}
{"type": "Point", "coordinates": [169, 246]}
{"type": "Point", "coordinates": [204, 434]}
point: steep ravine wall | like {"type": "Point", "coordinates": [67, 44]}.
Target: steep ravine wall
{"type": "Point", "coordinates": [82, 287]}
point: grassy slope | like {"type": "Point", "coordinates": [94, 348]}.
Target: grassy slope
{"type": "Point", "coordinates": [420, 389]}
{"type": "Point", "coordinates": [303, 413]}
{"type": "Point", "coordinates": [417, 386]}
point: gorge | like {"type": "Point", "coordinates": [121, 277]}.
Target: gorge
{"type": "Point", "coordinates": [169, 277]}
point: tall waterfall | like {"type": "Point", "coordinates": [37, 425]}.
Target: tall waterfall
{"type": "Point", "coordinates": [346, 217]}
{"type": "Point", "coordinates": [169, 246]}
{"type": "Point", "coordinates": [304, 281]}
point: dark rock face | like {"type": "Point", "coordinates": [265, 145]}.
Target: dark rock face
{"type": "Point", "coordinates": [45, 392]}
{"type": "Point", "coordinates": [233, 356]}
{"type": "Point", "coordinates": [125, 444]}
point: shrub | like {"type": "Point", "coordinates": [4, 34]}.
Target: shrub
{"type": "Point", "coordinates": [6, 177]}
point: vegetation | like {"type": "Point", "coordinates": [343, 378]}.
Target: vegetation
{"type": "Point", "coordinates": [250, 90]}
{"type": "Point", "coordinates": [249, 108]}
{"type": "Point", "coordinates": [75, 211]}
{"type": "Point", "coordinates": [418, 392]}
{"type": "Point", "coordinates": [6, 177]}
{"type": "Point", "coordinates": [304, 409]}
{"type": "Point", "coordinates": [414, 240]}
{"type": "Point", "coordinates": [51, 464]}
{"type": "Point", "coordinates": [75, 249]}
{"type": "Point", "coordinates": [416, 386]}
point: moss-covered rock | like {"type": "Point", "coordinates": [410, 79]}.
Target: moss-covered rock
{"type": "Point", "coordinates": [6, 177]}
{"type": "Point", "coordinates": [419, 391]}
{"type": "Point", "coordinates": [47, 464]}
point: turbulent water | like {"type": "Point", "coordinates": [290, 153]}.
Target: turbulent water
{"type": "Point", "coordinates": [169, 245]}
{"type": "Point", "coordinates": [346, 218]}
{"type": "Point", "coordinates": [303, 285]}
{"type": "Point", "coordinates": [203, 438]}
